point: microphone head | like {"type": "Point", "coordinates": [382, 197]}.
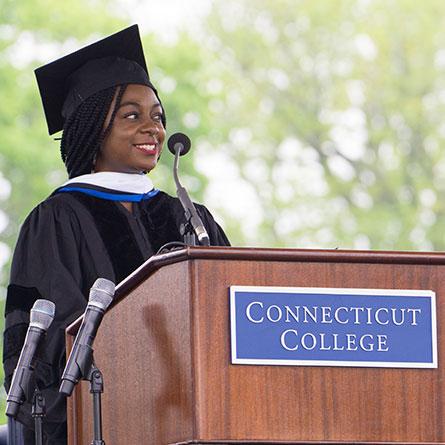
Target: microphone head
{"type": "Point", "coordinates": [181, 141]}
{"type": "Point", "coordinates": [102, 293]}
{"type": "Point", "coordinates": [42, 314]}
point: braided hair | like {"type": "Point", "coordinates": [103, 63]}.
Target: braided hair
{"type": "Point", "coordinates": [83, 131]}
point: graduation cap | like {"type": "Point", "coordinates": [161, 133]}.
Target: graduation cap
{"type": "Point", "coordinates": [65, 83]}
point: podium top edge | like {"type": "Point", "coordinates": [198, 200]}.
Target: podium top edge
{"type": "Point", "coordinates": [318, 255]}
{"type": "Point", "coordinates": [270, 254]}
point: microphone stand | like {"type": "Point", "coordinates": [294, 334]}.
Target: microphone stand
{"type": "Point", "coordinates": [96, 388]}
{"type": "Point", "coordinates": [191, 216]}
{"type": "Point", "coordinates": [92, 374]}
{"type": "Point", "coordinates": [38, 413]}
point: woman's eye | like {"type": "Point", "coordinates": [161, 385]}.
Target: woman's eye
{"type": "Point", "coordinates": [157, 117]}
{"type": "Point", "coordinates": [131, 116]}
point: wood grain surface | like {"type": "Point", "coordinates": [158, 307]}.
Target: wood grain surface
{"type": "Point", "coordinates": [164, 350]}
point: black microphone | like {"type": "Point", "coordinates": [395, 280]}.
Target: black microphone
{"type": "Point", "coordinates": [42, 315]}
{"type": "Point", "coordinates": [179, 141]}
{"type": "Point", "coordinates": [81, 357]}
{"type": "Point", "coordinates": [179, 144]}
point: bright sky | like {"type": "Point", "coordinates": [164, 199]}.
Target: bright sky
{"type": "Point", "coordinates": [168, 16]}
{"type": "Point", "coordinates": [164, 18]}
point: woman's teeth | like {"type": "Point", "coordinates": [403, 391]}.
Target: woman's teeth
{"type": "Point", "coordinates": [146, 147]}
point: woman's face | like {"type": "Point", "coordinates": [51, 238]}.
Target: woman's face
{"type": "Point", "coordinates": [135, 141]}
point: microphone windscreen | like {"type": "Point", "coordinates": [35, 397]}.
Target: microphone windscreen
{"type": "Point", "coordinates": [102, 293]}
{"type": "Point", "coordinates": [42, 314]}
{"type": "Point", "coordinates": [179, 138]}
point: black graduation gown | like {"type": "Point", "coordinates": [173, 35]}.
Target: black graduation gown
{"type": "Point", "coordinates": [67, 242]}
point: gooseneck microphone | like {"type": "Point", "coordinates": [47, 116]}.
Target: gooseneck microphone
{"type": "Point", "coordinates": [179, 144]}
{"type": "Point", "coordinates": [80, 359]}
{"type": "Point", "coordinates": [41, 317]}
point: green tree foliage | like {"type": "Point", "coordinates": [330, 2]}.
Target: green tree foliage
{"type": "Point", "coordinates": [315, 123]}
{"type": "Point", "coordinates": [333, 112]}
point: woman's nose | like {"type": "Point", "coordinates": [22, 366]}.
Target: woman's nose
{"type": "Point", "coordinates": [149, 126]}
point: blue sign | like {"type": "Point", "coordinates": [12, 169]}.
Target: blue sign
{"type": "Point", "coordinates": [333, 327]}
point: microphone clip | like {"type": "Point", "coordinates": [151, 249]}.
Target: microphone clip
{"type": "Point", "coordinates": [38, 404]}
{"type": "Point", "coordinates": [188, 233]}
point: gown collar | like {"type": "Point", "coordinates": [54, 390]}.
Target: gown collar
{"type": "Point", "coordinates": [122, 182]}
{"type": "Point", "coordinates": [112, 186]}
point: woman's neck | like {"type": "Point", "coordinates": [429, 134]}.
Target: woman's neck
{"type": "Point", "coordinates": [128, 205]}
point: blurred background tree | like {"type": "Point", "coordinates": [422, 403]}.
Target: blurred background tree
{"type": "Point", "coordinates": [314, 124]}
{"type": "Point", "coordinates": [331, 113]}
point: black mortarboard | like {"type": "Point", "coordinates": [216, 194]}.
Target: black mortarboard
{"type": "Point", "coordinates": [65, 83]}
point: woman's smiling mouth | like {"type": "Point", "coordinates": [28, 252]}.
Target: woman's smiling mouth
{"type": "Point", "coordinates": [149, 149]}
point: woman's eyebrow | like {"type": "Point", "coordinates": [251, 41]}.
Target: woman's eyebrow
{"type": "Point", "coordinates": [125, 104]}
{"type": "Point", "coordinates": [136, 104]}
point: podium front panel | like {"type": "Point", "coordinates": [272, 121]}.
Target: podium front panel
{"type": "Point", "coordinates": [165, 354]}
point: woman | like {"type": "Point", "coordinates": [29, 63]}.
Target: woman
{"type": "Point", "coordinates": [107, 219]}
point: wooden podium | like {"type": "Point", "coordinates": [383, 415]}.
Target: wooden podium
{"type": "Point", "coordinates": [164, 351]}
